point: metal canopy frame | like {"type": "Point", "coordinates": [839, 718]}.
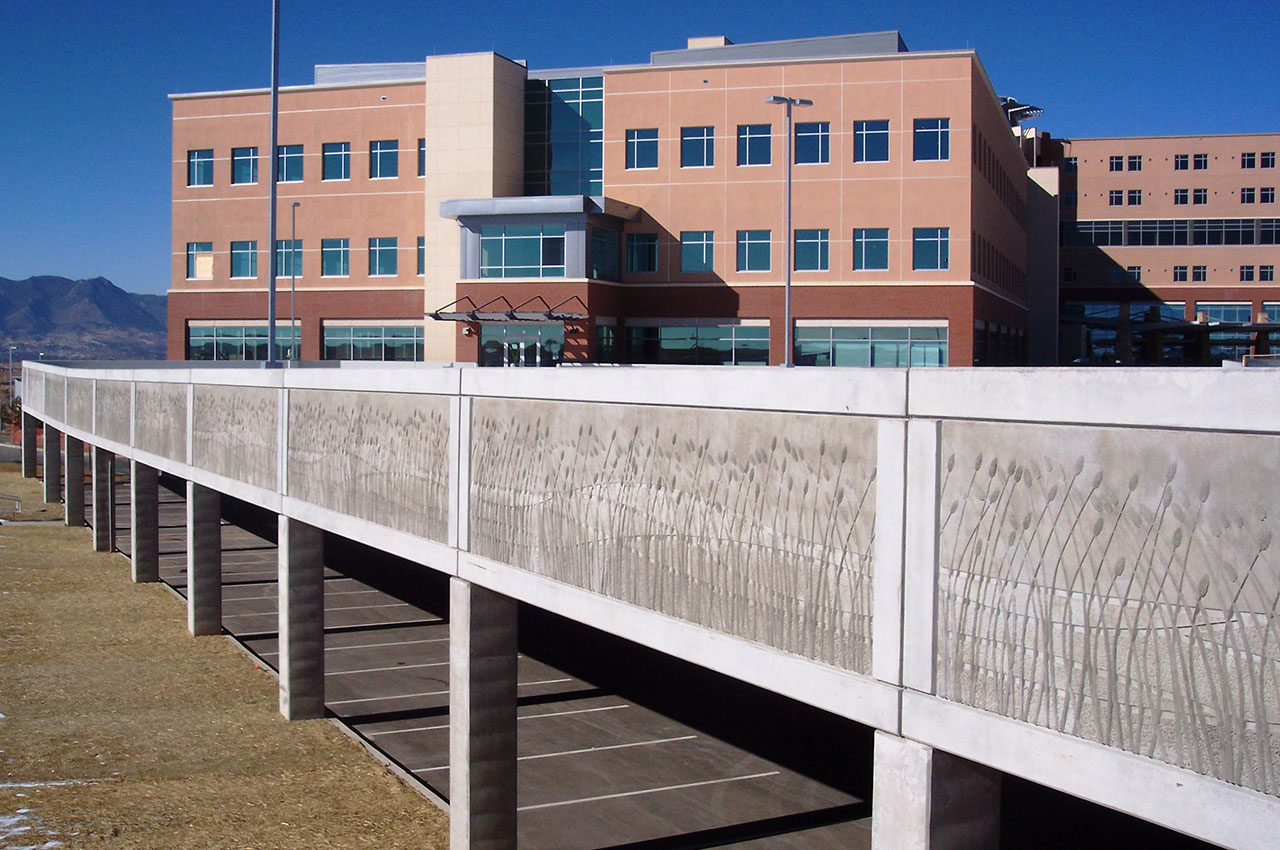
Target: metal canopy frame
{"type": "Point", "coordinates": [518, 313]}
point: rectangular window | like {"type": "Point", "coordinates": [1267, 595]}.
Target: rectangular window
{"type": "Point", "coordinates": [812, 251]}
{"type": "Point", "coordinates": [1200, 161]}
{"type": "Point", "coordinates": [1267, 274]}
{"type": "Point", "coordinates": [753, 250]}
{"type": "Point", "coordinates": [364, 342]}
{"type": "Point", "coordinates": [1267, 195]}
{"type": "Point", "coordinates": [605, 253]}
{"type": "Point", "coordinates": [1246, 274]}
{"type": "Point", "coordinates": [642, 148]}
{"type": "Point", "coordinates": [200, 168]}
{"type": "Point", "coordinates": [1133, 274]}
{"type": "Point", "coordinates": [871, 346]}
{"type": "Point", "coordinates": [288, 258]}
{"type": "Point", "coordinates": [422, 255]}
{"type": "Point", "coordinates": [1135, 163]}
{"type": "Point", "coordinates": [705, 344]}
{"type": "Point", "coordinates": [422, 157]}
{"type": "Point", "coordinates": [1181, 161]}
{"type": "Point", "coordinates": [930, 248]}
{"type": "Point", "coordinates": [813, 143]}
{"type": "Point", "coordinates": [522, 250]}
{"type": "Point", "coordinates": [336, 161]}
{"type": "Point", "coordinates": [871, 249]}
{"type": "Point", "coordinates": [931, 139]}
{"type": "Point", "coordinates": [697, 250]}
{"type": "Point", "coordinates": [384, 159]}
{"type": "Point", "coordinates": [1135, 197]}
{"type": "Point", "coordinates": [1071, 164]}
{"type": "Point", "coordinates": [1199, 196]}
{"type": "Point", "coordinates": [1199, 274]}
{"type": "Point", "coordinates": [382, 256]}
{"type": "Point", "coordinates": [754, 144]}
{"type": "Point", "coordinates": [697, 147]}
{"type": "Point", "coordinates": [1115, 197]}
{"type": "Point", "coordinates": [642, 252]}
{"type": "Point", "coordinates": [288, 163]}
{"type": "Point", "coordinates": [1179, 274]}
{"type": "Point", "coordinates": [1267, 159]}
{"type": "Point", "coordinates": [1068, 274]}
{"type": "Point", "coordinates": [244, 259]}
{"type": "Point", "coordinates": [335, 257]}
{"type": "Point", "coordinates": [1116, 163]}
{"type": "Point", "coordinates": [244, 165]}
{"type": "Point", "coordinates": [871, 141]}
{"type": "Point", "coordinates": [1247, 195]}
{"type": "Point", "coordinates": [1180, 196]}
{"type": "Point", "coordinates": [199, 260]}
{"type": "Point", "coordinates": [232, 342]}
{"type": "Point", "coordinates": [1248, 160]}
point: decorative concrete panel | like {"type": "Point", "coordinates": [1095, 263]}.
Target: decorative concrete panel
{"type": "Point", "coordinates": [55, 396]}
{"type": "Point", "coordinates": [755, 524]}
{"type": "Point", "coordinates": [33, 389]}
{"type": "Point", "coordinates": [80, 403]}
{"type": "Point", "coordinates": [1118, 585]}
{"type": "Point", "coordinates": [233, 433]}
{"type": "Point", "coordinates": [381, 457]}
{"type": "Point", "coordinates": [160, 425]}
{"type": "Point", "coordinates": [113, 411]}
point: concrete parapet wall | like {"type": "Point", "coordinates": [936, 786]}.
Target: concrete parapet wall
{"type": "Point", "coordinates": [113, 410]}
{"type": "Point", "coordinates": [233, 433]}
{"type": "Point", "coordinates": [160, 419]}
{"type": "Point", "coordinates": [80, 403]}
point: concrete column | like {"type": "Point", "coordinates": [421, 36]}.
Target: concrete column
{"type": "Point", "coordinates": [104, 485]}
{"type": "Point", "coordinates": [29, 426]}
{"type": "Point", "coordinates": [301, 607]}
{"type": "Point", "coordinates": [925, 799]}
{"type": "Point", "coordinates": [482, 718]}
{"type": "Point", "coordinates": [52, 465]}
{"type": "Point", "coordinates": [74, 503]}
{"type": "Point", "coordinates": [144, 514]}
{"type": "Point", "coordinates": [204, 560]}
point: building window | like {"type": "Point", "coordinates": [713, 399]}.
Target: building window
{"type": "Point", "coordinates": [384, 159]}
{"type": "Point", "coordinates": [697, 147]}
{"type": "Point", "coordinates": [564, 136]}
{"type": "Point", "coordinates": [754, 144]}
{"type": "Point", "coordinates": [1115, 275]}
{"type": "Point", "coordinates": [1246, 274]}
{"type": "Point", "coordinates": [1115, 197]}
{"type": "Point", "coordinates": [199, 260]}
{"type": "Point", "coordinates": [335, 257]}
{"type": "Point", "coordinates": [642, 148]}
{"type": "Point", "coordinates": [384, 343]}
{"type": "Point", "coordinates": [1135, 163]}
{"type": "Point", "coordinates": [1248, 160]}
{"type": "Point", "coordinates": [1267, 195]}
{"type": "Point", "coordinates": [1116, 163]}
{"type": "Point", "coordinates": [697, 250]}
{"type": "Point", "coordinates": [605, 254]}
{"type": "Point", "coordinates": [1133, 274]}
{"type": "Point", "coordinates": [522, 250]}
{"type": "Point", "coordinates": [709, 344]}
{"type": "Point", "coordinates": [238, 342]}
{"type": "Point", "coordinates": [288, 163]}
{"type": "Point", "coordinates": [244, 259]}
{"type": "Point", "coordinates": [1200, 161]}
{"type": "Point", "coordinates": [1180, 196]}
{"type": "Point", "coordinates": [1247, 195]}
{"type": "Point", "coordinates": [1070, 200]}
{"type": "Point", "coordinates": [813, 143]}
{"type": "Point", "coordinates": [336, 161]}
{"type": "Point", "coordinates": [642, 252]}
{"type": "Point", "coordinates": [200, 168]}
{"type": "Point", "coordinates": [244, 165]}
{"type": "Point", "coordinates": [382, 256]}
{"type": "Point", "coordinates": [1179, 274]}
{"type": "Point", "coordinates": [1199, 274]}
{"type": "Point", "coordinates": [422, 157]}
{"type": "Point", "coordinates": [1071, 164]}
{"type": "Point", "coordinates": [1267, 274]}
{"type": "Point", "coordinates": [871, 141]}
{"type": "Point", "coordinates": [930, 248]}
{"type": "Point", "coordinates": [812, 250]}
{"type": "Point", "coordinates": [422, 255]}
{"type": "Point", "coordinates": [871, 249]}
{"type": "Point", "coordinates": [1135, 197]}
{"type": "Point", "coordinates": [931, 139]}
{"type": "Point", "coordinates": [871, 346]}
{"type": "Point", "coordinates": [1267, 159]}
{"type": "Point", "coordinates": [288, 258]}
{"type": "Point", "coordinates": [753, 251]}
{"type": "Point", "coordinates": [1068, 274]}
{"type": "Point", "coordinates": [1181, 161]}
{"type": "Point", "coordinates": [1199, 196]}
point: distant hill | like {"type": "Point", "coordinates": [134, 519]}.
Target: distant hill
{"type": "Point", "coordinates": [80, 319]}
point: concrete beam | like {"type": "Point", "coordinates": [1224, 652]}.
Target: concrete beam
{"type": "Point", "coordinates": [104, 475]}
{"type": "Point", "coordinates": [73, 506]}
{"type": "Point", "coordinates": [29, 426]}
{"type": "Point", "coordinates": [204, 560]}
{"type": "Point", "coordinates": [144, 512]}
{"type": "Point", "coordinates": [482, 718]}
{"type": "Point", "coordinates": [301, 612]}
{"type": "Point", "coordinates": [52, 465]}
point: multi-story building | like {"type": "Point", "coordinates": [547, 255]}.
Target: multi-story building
{"type": "Point", "coordinates": [1169, 247]}
{"type": "Point", "coordinates": [468, 208]}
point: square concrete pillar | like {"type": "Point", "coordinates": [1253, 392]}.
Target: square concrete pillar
{"type": "Point", "coordinates": [925, 799]}
{"type": "Point", "coordinates": [29, 426]}
{"type": "Point", "coordinates": [301, 611]}
{"type": "Point", "coordinates": [482, 718]}
{"type": "Point", "coordinates": [204, 560]}
{"type": "Point", "coordinates": [52, 465]}
{"type": "Point", "coordinates": [144, 525]}
{"type": "Point", "coordinates": [104, 493]}
{"type": "Point", "coordinates": [74, 501]}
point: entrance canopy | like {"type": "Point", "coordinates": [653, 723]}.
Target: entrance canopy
{"type": "Point", "coordinates": [535, 309]}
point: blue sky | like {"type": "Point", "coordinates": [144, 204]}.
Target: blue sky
{"type": "Point", "coordinates": [84, 164]}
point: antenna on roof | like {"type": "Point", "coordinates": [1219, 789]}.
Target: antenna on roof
{"type": "Point", "coordinates": [1017, 112]}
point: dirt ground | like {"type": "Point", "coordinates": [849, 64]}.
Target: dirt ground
{"type": "Point", "coordinates": [119, 729]}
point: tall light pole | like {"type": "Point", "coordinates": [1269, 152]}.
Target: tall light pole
{"type": "Point", "coordinates": [788, 360]}
{"type": "Point", "coordinates": [293, 277]}
{"type": "Point", "coordinates": [13, 387]}
{"type": "Point", "coordinates": [275, 165]}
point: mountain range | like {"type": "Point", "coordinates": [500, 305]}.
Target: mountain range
{"type": "Point", "coordinates": [92, 319]}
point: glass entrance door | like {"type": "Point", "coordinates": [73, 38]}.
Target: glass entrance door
{"type": "Point", "coordinates": [511, 344]}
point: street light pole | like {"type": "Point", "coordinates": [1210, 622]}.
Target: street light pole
{"type": "Point", "coordinates": [788, 359]}
{"type": "Point", "coordinates": [13, 387]}
{"type": "Point", "coordinates": [275, 165]}
{"type": "Point", "coordinates": [293, 278]}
